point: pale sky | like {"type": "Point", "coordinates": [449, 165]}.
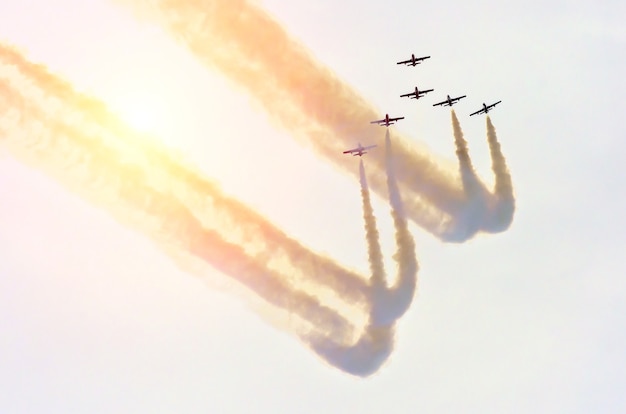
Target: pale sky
{"type": "Point", "coordinates": [97, 319]}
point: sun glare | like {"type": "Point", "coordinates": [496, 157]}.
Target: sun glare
{"type": "Point", "coordinates": [142, 119]}
{"type": "Point", "coordinates": [143, 114]}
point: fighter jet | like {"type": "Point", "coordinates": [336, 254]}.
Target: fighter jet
{"type": "Point", "coordinates": [386, 121]}
{"type": "Point", "coordinates": [486, 108]}
{"type": "Point", "coordinates": [360, 150]}
{"type": "Point", "coordinates": [450, 101]}
{"type": "Point", "coordinates": [413, 61]}
{"type": "Point", "coordinates": [417, 94]}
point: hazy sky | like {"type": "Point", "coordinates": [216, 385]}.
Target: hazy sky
{"type": "Point", "coordinates": [96, 318]}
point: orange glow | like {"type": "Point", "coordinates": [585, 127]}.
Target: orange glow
{"type": "Point", "coordinates": [142, 112]}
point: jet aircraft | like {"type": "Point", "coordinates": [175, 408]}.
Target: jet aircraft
{"type": "Point", "coordinates": [417, 94]}
{"type": "Point", "coordinates": [486, 108]}
{"type": "Point", "coordinates": [360, 150]}
{"type": "Point", "coordinates": [413, 61]}
{"type": "Point", "coordinates": [386, 121]}
{"type": "Point", "coordinates": [450, 101]}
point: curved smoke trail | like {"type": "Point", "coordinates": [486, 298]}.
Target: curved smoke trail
{"type": "Point", "coordinates": [74, 139]}
{"type": "Point", "coordinates": [483, 210]}
{"type": "Point", "coordinates": [469, 219]}
{"type": "Point", "coordinates": [99, 173]}
{"type": "Point", "coordinates": [89, 119]}
{"type": "Point", "coordinates": [396, 300]}
{"type": "Point", "coordinates": [253, 50]}
{"type": "Point", "coordinates": [504, 208]}
{"type": "Point", "coordinates": [388, 304]}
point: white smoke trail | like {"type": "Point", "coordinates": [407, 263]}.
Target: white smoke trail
{"type": "Point", "coordinates": [502, 213]}
{"type": "Point", "coordinates": [365, 357]}
{"type": "Point", "coordinates": [388, 304]}
{"type": "Point", "coordinates": [249, 47]}
{"type": "Point", "coordinates": [374, 252]}
{"type": "Point", "coordinates": [73, 138]}
{"type": "Point", "coordinates": [468, 175]}
{"type": "Point", "coordinates": [123, 190]}
{"type": "Point", "coordinates": [469, 219]}
{"type": "Point", "coordinates": [375, 344]}
{"type": "Point", "coordinates": [50, 135]}
{"type": "Point", "coordinates": [240, 225]}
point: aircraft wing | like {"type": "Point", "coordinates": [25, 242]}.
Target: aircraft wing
{"type": "Point", "coordinates": [407, 94]}
{"type": "Point", "coordinates": [380, 121]}
{"type": "Point", "coordinates": [441, 103]}
{"type": "Point", "coordinates": [396, 119]}
{"type": "Point", "coordinates": [410, 61]}
{"type": "Point", "coordinates": [359, 150]}
{"type": "Point", "coordinates": [493, 104]}
{"type": "Point", "coordinates": [481, 111]}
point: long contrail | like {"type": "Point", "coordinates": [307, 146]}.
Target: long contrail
{"type": "Point", "coordinates": [88, 166]}
{"type": "Point", "coordinates": [470, 219]}
{"type": "Point", "coordinates": [252, 49]}
{"type": "Point", "coordinates": [468, 175]}
{"type": "Point", "coordinates": [374, 251]}
{"type": "Point", "coordinates": [395, 300]}
{"type": "Point", "coordinates": [73, 138]}
{"type": "Point", "coordinates": [504, 206]}
{"type": "Point", "coordinates": [239, 224]}
{"type": "Point", "coordinates": [388, 303]}
{"type": "Point", "coordinates": [483, 209]}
